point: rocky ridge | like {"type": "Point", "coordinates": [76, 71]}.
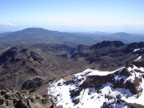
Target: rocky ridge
{"type": "Point", "coordinates": [122, 88]}
{"type": "Point", "coordinates": [27, 68]}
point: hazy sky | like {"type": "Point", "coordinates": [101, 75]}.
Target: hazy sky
{"type": "Point", "coordinates": [73, 15]}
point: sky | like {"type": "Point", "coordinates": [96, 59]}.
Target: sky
{"type": "Point", "coordinates": [73, 15]}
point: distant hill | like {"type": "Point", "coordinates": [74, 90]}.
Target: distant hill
{"type": "Point", "coordinates": [40, 35]}
{"type": "Point", "coordinates": [127, 37]}
{"type": "Point", "coordinates": [4, 34]}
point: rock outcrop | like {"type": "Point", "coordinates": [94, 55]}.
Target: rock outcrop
{"type": "Point", "coordinates": [121, 88]}
{"type": "Point", "coordinates": [15, 99]}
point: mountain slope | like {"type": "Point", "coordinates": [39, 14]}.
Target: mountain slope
{"type": "Point", "coordinates": [31, 67]}
{"type": "Point", "coordinates": [122, 88]}
{"type": "Point", "coordinates": [108, 54]}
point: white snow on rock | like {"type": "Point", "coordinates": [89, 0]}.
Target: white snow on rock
{"type": "Point", "coordinates": [100, 89]}
{"type": "Point", "coordinates": [137, 49]}
{"type": "Point", "coordinates": [135, 99]}
{"type": "Point", "coordinates": [139, 58]}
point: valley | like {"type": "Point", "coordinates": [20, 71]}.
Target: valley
{"type": "Point", "coordinates": [36, 67]}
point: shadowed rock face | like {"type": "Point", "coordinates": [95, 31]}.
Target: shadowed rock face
{"type": "Point", "coordinates": [15, 54]}
{"type": "Point", "coordinates": [108, 54]}
{"type": "Point", "coordinates": [107, 44]}
{"type": "Point", "coordinates": [32, 84]}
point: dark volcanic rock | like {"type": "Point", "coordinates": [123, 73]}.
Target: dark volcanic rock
{"type": "Point", "coordinates": [107, 54]}
{"type": "Point", "coordinates": [107, 44]}
{"type": "Point", "coordinates": [32, 84]}
{"type": "Point", "coordinates": [19, 54]}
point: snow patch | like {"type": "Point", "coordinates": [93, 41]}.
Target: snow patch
{"type": "Point", "coordinates": [137, 49]}
{"type": "Point", "coordinates": [107, 95]}
{"type": "Point", "coordinates": [139, 58]}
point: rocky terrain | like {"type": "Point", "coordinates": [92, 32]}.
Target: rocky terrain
{"type": "Point", "coordinates": [16, 99]}
{"type": "Point", "coordinates": [108, 55]}
{"type": "Point", "coordinates": [122, 88]}
{"type": "Point", "coordinates": [30, 68]}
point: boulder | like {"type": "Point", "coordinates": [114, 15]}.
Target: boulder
{"type": "Point", "coordinates": [1, 100]}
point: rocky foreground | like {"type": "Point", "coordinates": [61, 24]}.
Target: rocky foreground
{"type": "Point", "coordinates": [15, 99]}
{"type": "Point", "coordinates": [122, 88]}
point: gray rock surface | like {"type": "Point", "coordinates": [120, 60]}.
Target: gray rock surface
{"type": "Point", "coordinates": [15, 99]}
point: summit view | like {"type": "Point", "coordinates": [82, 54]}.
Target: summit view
{"type": "Point", "coordinates": [71, 54]}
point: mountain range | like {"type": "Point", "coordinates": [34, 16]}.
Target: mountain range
{"type": "Point", "coordinates": [40, 35]}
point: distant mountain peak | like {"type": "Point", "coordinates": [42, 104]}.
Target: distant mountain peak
{"type": "Point", "coordinates": [34, 29]}
{"type": "Point", "coordinates": [108, 43]}
{"type": "Point", "coordinates": [122, 34]}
